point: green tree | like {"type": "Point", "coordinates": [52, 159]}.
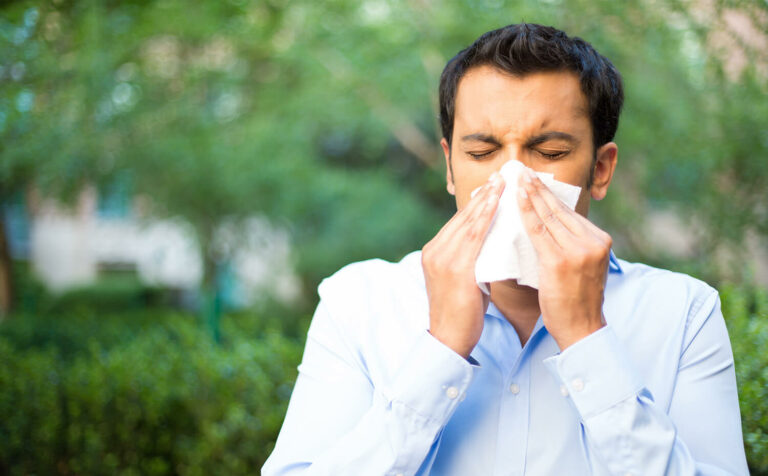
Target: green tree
{"type": "Point", "coordinates": [322, 115]}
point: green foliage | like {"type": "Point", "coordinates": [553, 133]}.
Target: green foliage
{"type": "Point", "coordinates": [108, 294]}
{"type": "Point", "coordinates": [746, 313]}
{"type": "Point", "coordinates": [30, 409]}
{"type": "Point", "coordinates": [149, 393]}
{"type": "Point", "coordinates": [165, 400]}
{"type": "Point", "coordinates": [320, 116]}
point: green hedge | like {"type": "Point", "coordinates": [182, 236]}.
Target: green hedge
{"type": "Point", "coordinates": [746, 313]}
{"type": "Point", "coordinates": [150, 393]}
{"type": "Point", "coordinates": [165, 401]}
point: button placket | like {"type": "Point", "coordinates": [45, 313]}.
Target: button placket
{"type": "Point", "coordinates": [515, 406]}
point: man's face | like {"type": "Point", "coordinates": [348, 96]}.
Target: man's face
{"type": "Point", "coordinates": [541, 119]}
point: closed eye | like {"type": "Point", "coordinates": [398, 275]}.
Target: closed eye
{"type": "Point", "coordinates": [552, 155]}
{"type": "Point", "coordinates": [480, 155]}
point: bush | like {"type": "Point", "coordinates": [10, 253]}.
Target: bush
{"type": "Point", "coordinates": [150, 393]}
{"type": "Point", "coordinates": [113, 292]}
{"type": "Point", "coordinates": [71, 335]}
{"type": "Point", "coordinates": [165, 401]}
{"type": "Point", "coordinates": [746, 313]}
{"type": "Point", "coordinates": [109, 294]}
{"type": "Point", "coordinates": [30, 416]}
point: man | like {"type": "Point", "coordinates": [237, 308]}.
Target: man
{"type": "Point", "coordinates": [608, 368]}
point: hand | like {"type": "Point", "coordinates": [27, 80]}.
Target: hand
{"type": "Point", "coordinates": [573, 262]}
{"type": "Point", "coordinates": [456, 304]}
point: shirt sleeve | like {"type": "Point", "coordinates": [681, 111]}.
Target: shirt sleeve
{"type": "Point", "coordinates": [339, 423]}
{"type": "Point", "coordinates": [627, 433]}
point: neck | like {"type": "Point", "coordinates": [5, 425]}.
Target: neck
{"type": "Point", "coordinates": [518, 304]}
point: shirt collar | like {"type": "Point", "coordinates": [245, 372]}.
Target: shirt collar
{"type": "Point", "coordinates": [613, 263]}
{"type": "Point", "coordinates": [494, 311]}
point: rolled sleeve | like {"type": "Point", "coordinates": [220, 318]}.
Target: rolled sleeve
{"type": "Point", "coordinates": [596, 372]}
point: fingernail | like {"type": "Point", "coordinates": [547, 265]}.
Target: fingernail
{"type": "Point", "coordinates": [522, 192]}
{"type": "Point", "coordinates": [494, 178]}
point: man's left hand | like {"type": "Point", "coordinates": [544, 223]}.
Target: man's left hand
{"type": "Point", "coordinates": [573, 262]}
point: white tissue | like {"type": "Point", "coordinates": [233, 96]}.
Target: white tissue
{"type": "Point", "coordinates": [507, 252]}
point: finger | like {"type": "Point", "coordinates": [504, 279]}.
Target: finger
{"type": "Point", "coordinates": [597, 232]}
{"type": "Point", "coordinates": [573, 220]}
{"type": "Point", "coordinates": [475, 205]}
{"type": "Point", "coordinates": [471, 235]}
{"type": "Point", "coordinates": [549, 217]}
{"type": "Point", "coordinates": [569, 218]}
{"type": "Point", "coordinates": [477, 229]}
{"type": "Point", "coordinates": [463, 239]}
{"type": "Point", "coordinates": [472, 210]}
{"type": "Point", "coordinates": [488, 197]}
{"type": "Point", "coordinates": [537, 231]}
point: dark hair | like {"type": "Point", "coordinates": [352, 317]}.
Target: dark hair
{"type": "Point", "coordinates": [527, 48]}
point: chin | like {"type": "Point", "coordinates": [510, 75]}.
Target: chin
{"type": "Point", "coordinates": [511, 283]}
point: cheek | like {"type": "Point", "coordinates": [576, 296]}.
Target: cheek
{"type": "Point", "coordinates": [469, 175]}
{"type": "Point", "coordinates": [466, 184]}
{"type": "Point", "coordinates": [575, 172]}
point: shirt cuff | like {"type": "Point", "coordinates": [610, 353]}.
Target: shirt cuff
{"type": "Point", "coordinates": [596, 372]}
{"type": "Point", "coordinates": [433, 380]}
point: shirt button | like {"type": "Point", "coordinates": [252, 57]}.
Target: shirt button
{"type": "Point", "coordinates": [452, 392]}
{"type": "Point", "coordinates": [563, 391]}
{"type": "Point", "coordinates": [577, 384]}
{"type": "Point", "coordinates": [514, 388]}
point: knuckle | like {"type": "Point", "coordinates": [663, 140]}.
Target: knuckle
{"type": "Point", "coordinates": [596, 253]}
{"type": "Point", "coordinates": [526, 205]}
{"type": "Point", "coordinates": [559, 263]}
{"type": "Point", "coordinates": [581, 259]}
{"type": "Point", "coordinates": [539, 228]}
{"type": "Point", "coordinates": [454, 268]}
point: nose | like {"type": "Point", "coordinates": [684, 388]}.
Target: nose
{"type": "Point", "coordinates": [512, 152]}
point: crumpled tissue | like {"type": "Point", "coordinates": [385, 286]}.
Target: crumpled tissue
{"type": "Point", "coordinates": [507, 251]}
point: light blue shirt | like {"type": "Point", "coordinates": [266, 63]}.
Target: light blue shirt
{"type": "Point", "coordinates": [652, 393]}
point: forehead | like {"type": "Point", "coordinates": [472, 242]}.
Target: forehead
{"type": "Point", "coordinates": [491, 101]}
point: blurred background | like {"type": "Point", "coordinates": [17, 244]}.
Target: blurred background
{"type": "Point", "coordinates": [177, 177]}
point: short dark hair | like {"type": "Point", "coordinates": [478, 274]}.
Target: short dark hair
{"type": "Point", "coordinates": [526, 48]}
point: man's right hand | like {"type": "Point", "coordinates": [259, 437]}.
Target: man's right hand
{"type": "Point", "coordinates": [456, 304]}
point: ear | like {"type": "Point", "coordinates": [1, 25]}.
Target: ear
{"type": "Point", "coordinates": [604, 166]}
{"type": "Point", "coordinates": [448, 167]}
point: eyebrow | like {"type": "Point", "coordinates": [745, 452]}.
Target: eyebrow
{"type": "Point", "coordinates": [541, 138]}
{"type": "Point", "coordinates": [479, 136]}
{"type": "Point", "coordinates": [533, 141]}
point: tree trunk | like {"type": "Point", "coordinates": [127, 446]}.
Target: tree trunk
{"type": "Point", "coordinates": [6, 273]}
